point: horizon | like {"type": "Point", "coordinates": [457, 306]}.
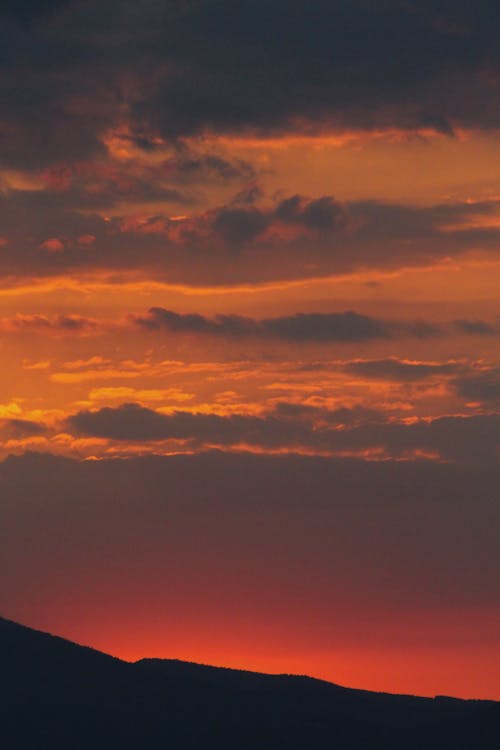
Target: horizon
{"type": "Point", "coordinates": [90, 599]}
{"type": "Point", "coordinates": [222, 667]}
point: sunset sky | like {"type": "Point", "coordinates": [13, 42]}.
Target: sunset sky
{"type": "Point", "coordinates": [250, 334]}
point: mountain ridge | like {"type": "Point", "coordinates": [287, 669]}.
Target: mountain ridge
{"type": "Point", "coordinates": [63, 694]}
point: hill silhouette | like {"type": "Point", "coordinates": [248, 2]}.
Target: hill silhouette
{"type": "Point", "coordinates": [57, 694]}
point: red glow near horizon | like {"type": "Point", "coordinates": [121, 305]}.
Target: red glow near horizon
{"type": "Point", "coordinates": [425, 669]}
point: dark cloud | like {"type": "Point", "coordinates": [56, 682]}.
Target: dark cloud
{"type": "Point", "coordinates": [475, 327]}
{"type": "Point", "coordinates": [320, 214]}
{"type": "Point", "coordinates": [248, 196]}
{"type": "Point", "coordinates": [91, 188]}
{"type": "Point", "coordinates": [238, 225]}
{"type": "Point", "coordinates": [134, 423]}
{"type": "Point", "coordinates": [345, 326]}
{"type": "Point", "coordinates": [42, 323]}
{"type": "Point", "coordinates": [19, 428]}
{"type": "Point", "coordinates": [263, 64]}
{"type": "Point", "coordinates": [445, 223]}
{"type": "Point", "coordinates": [484, 386]}
{"type": "Point", "coordinates": [400, 370]}
{"type": "Point", "coordinates": [181, 68]}
{"type": "Point", "coordinates": [287, 424]}
{"type": "Point", "coordinates": [471, 440]}
{"type": "Point", "coordinates": [241, 241]}
{"type": "Point", "coordinates": [182, 163]}
{"type": "Point", "coordinates": [342, 416]}
{"type": "Point", "coordinates": [294, 238]}
{"type": "Point", "coordinates": [421, 329]}
{"type": "Point", "coordinates": [187, 166]}
{"type": "Point", "coordinates": [157, 319]}
{"type": "Point", "coordinates": [300, 237]}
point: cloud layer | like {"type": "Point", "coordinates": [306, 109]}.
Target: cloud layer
{"type": "Point", "coordinates": [264, 66]}
{"type": "Point", "coordinates": [471, 440]}
{"type": "Point", "coordinates": [48, 232]}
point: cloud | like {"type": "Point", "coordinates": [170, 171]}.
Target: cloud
{"type": "Point", "coordinates": [238, 224]}
{"type": "Point", "coordinates": [345, 326]}
{"type": "Point", "coordinates": [251, 66]}
{"type": "Point", "coordinates": [91, 127]}
{"type": "Point", "coordinates": [65, 324]}
{"type": "Point", "coordinates": [341, 327]}
{"type": "Point", "coordinates": [240, 241]}
{"type": "Point", "coordinates": [400, 370]}
{"type": "Point", "coordinates": [475, 327]}
{"type": "Point", "coordinates": [348, 326]}
{"type": "Point", "coordinates": [52, 245]}
{"type": "Point", "coordinates": [482, 387]}
{"type": "Point", "coordinates": [265, 65]}
{"type": "Point", "coordinates": [19, 428]}
{"type": "Point", "coordinates": [321, 214]}
{"type": "Point", "coordinates": [134, 423]}
{"type": "Point", "coordinates": [187, 166]}
{"type": "Point", "coordinates": [341, 416]}
{"type": "Point", "coordinates": [471, 440]}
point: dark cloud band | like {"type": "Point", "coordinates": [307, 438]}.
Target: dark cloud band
{"type": "Point", "coordinates": [470, 440]}
{"type": "Point", "coordinates": [259, 65]}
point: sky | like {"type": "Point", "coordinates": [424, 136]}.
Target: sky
{"type": "Point", "coordinates": [250, 329]}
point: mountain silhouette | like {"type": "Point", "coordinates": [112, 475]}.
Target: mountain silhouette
{"type": "Point", "coordinates": [56, 694]}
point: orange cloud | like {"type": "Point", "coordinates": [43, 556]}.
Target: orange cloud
{"type": "Point", "coordinates": [52, 245]}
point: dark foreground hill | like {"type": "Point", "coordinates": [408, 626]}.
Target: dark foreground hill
{"type": "Point", "coordinates": [56, 694]}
